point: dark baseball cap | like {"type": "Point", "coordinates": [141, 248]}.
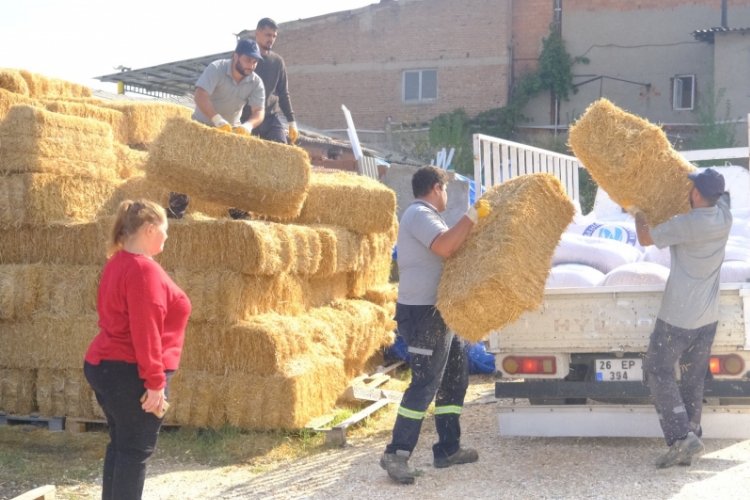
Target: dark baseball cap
{"type": "Point", "coordinates": [708, 181]}
{"type": "Point", "coordinates": [247, 47]}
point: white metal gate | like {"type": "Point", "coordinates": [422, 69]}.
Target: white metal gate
{"type": "Point", "coordinates": [498, 160]}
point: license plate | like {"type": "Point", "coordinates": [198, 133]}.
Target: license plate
{"type": "Point", "coordinates": [619, 370]}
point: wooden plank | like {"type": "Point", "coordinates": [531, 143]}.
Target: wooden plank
{"type": "Point", "coordinates": [46, 492]}
{"type": "Point", "coordinates": [337, 435]}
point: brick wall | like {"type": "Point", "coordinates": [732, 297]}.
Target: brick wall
{"type": "Point", "coordinates": [357, 58]}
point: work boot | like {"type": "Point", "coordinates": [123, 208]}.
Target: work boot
{"type": "Point", "coordinates": [698, 431]}
{"type": "Point", "coordinates": [682, 450]}
{"type": "Point", "coordinates": [462, 456]}
{"type": "Point", "coordinates": [178, 204]}
{"type": "Point", "coordinates": [397, 466]}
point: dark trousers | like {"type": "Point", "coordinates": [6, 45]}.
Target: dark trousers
{"type": "Point", "coordinates": [132, 431]}
{"type": "Point", "coordinates": [679, 405]}
{"type": "Point", "coordinates": [271, 129]}
{"type": "Point", "coordinates": [439, 371]}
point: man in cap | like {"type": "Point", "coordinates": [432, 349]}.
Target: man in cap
{"type": "Point", "coordinates": [224, 87]}
{"type": "Point", "coordinates": [689, 313]}
{"type": "Point", "coordinates": [272, 71]}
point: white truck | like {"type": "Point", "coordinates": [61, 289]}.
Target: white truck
{"type": "Point", "coordinates": [578, 359]}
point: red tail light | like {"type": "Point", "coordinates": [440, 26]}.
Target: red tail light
{"type": "Point", "coordinates": [531, 365]}
{"type": "Point", "coordinates": [726, 364]}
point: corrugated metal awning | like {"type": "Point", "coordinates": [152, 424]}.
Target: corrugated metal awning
{"type": "Point", "coordinates": [708, 34]}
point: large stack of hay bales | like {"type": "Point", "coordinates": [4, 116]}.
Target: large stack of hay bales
{"type": "Point", "coordinates": [288, 305]}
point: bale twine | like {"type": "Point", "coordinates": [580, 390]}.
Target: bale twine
{"type": "Point", "coordinates": [65, 393]}
{"type": "Point", "coordinates": [244, 172]}
{"type": "Point", "coordinates": [632, 160]}
{"type": "Point", "coordinates": [144, 121]}
{"type": "Point", "coordinates": [57, 243]}
{"type": "Point", "coordinates": [41, 86]}
{"type": "Point", "coordinates": [225, 297]}
{"type": "Point", "coordinates": [9, 99]}
{"type": "Point", "coordinates": [351, 201]}
{"type": "Point", "coordinates": [40, 199]}
{"type": "Point", "coordinates": [112, 117]}
{"type": "Point", "coordinates": [36, 140]}
{"type": "Point", "coordinates": [27, 290]}
{"type": "Point", "coordinates": [17, 390]}
{"type": "Point", "coordinates": [12, 81]}
{"type": "Point", "coordinates": [252, 247]}
{"type": "Point", "coordinates": [501, 269]}
{"type": "Point", "coordinates": [47, 341]}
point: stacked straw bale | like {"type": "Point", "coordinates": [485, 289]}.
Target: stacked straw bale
{"type": "Point", "coordinates": [501, 270]}
{"type": "Point", "coordinates": [632, 160]}
{"type": "Point", "coordinates": [323, 280]}
{"type": "Point", "coordinates": [244, 172]}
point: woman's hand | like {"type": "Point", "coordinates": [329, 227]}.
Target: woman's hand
{"type": "Point", "coordinates": [153, 401]}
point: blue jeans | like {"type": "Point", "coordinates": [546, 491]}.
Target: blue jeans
{"type": "Point", "coordinates": [679, 406]}
{"type": "Point", "coordinates": [132, 431]}
{"type": "Point", "coordinates": [271, 129]}
{"type": "Point", "coordinates": [440, 371]}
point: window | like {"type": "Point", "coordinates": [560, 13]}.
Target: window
{"type": "Point", "coordinates": [420, 85]}
{"type": "Point", "coordinates": [683, 92]}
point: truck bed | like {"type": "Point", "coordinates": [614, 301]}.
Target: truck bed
{"type": "Point", "coordinates": [612, 319]}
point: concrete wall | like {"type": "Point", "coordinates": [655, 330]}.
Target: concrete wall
{"type": "Point", "coordinates": [398, 178]}
{"type": "Point", "coordinates": [732, 73]}
{"type": "Point", "coordinates": [357, 58]}
{"type": "Point", "coordinates": [643, 42]}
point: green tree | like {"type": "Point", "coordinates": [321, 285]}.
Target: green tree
{"type": "Point", "coordinates": [714, 132]}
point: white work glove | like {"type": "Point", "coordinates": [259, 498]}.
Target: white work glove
{"type": "Point", "coordinates": [293, 133]}
{"type": "Point", "coordinates": [479, 210]}
{"type": "Point", "coordinates": [220, 123]}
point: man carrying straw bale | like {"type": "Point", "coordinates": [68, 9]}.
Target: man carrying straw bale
{"type": "Point", "coordinates": [437, 358]}
{"type": "Point", "coordinates": [224, 87]}
{"type": "Point", "coordinates": [689, 313]}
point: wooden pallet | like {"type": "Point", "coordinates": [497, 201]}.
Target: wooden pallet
{"type": "Point", "coordinates": [76, 425]}
{"type": "Point", "coordinates": [46, 492]}
{"type": "Point", "coordinates": [363, 388]}
{"type": "Point", "coordinates": [54, 424]}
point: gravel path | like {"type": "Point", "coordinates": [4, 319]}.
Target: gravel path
{"type": "Point", "coordinates": [508, 467]}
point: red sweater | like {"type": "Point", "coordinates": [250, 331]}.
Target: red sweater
{"type": "Point", "coordinates": [142, 317]}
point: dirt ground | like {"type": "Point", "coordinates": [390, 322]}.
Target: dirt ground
{"type": "Point", "coordinates": [509, 467]}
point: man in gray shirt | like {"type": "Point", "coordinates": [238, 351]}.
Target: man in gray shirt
{"type": "Point", "coordinates": [689, 313]}
{"type": "Point", "coordinates": [436, 357]}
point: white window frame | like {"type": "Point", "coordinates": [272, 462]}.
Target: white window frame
{"type": "Point", "coordinates": [677, 92]}
{"type": "Point", "coordinates": [420, 99]}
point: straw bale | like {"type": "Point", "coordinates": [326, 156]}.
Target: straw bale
{"type": "Point", "coordinates": [48, 289]}
{"type": "Point", "coordinates": [341, 250]}
{"type": "Point", "coordinates": [65, 393]}
{"type": "Point", "coordinates": [377, 263]}
{"type": "Point", "coordinates": [144, 121]}
{"type": "Point", "coordinates": [501, 269]}
{"type": "Point", "coordinates": [632, 160]}
{"type": "Point", "coordinates": [36, 140]}
{"type": "Point", "coordinates": [17, 390]}
{"type": "Point", "coordinates": [220, 296]}
{"type": "Point", "coordinates": [252, 247]}
{"type": "Point", "coordinates": [12, 81]}
{"type": "Point", "coordinates": [40, 199]}
{"type": "Point", "coordinates": [113, 117]}
{"type": "Point", "coordinates": [47, 341]}
{"type": "Point", "coordinates": [383, 295]}
{"type": "Point", "coordinates": [244, 172]}
{"type": "Point", "coordinates": [42, 86]}
{"type": "Point", "coordinates": [57, 243]}
{"type": "Point", "coordinates": [9, 99]}
{"type": "Point", "coordinates": [307, 387]}
{"type": "Point", "coordinates": [348, 200]}
{"type": "Point", "coordinates": [351, 330]}
{"type": "Point", "coordinates": [130, 162]}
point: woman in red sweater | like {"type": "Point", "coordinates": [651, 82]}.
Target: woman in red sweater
{"type": "Point", "coordinates": [142, 319]}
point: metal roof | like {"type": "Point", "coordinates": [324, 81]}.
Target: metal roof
{"type": "Point", "coordinates": [165, 80]}
{"type": "Point", "coordinates": [707, 35]}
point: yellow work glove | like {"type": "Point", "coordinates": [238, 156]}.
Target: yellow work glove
{"type": "Point", "coordinates": [220, 123]}
{"type": "Point", "coordinates": [293, 133]}
{"type": "Point", "coordinates": [240, 130]}
{"type": "Point", "coordinates": [480, 210]}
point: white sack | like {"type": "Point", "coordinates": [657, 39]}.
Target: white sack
{"type": "Point", "coordinates": [735, 271]}
{"type": "Point", "coordinates": [573, 276]}
{"type": "Point", "coordinates": [637, 273]}
{"type": "Point", "coordinates": [600, 253]}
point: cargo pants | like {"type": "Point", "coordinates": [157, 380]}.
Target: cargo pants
{"type": "Point", "coordinates": [440, 371]}
{"type": "Point", "coordinates": [678, 405]}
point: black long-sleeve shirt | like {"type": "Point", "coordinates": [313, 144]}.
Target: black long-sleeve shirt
{"type": "Point", "coordinates": [272, 71]}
